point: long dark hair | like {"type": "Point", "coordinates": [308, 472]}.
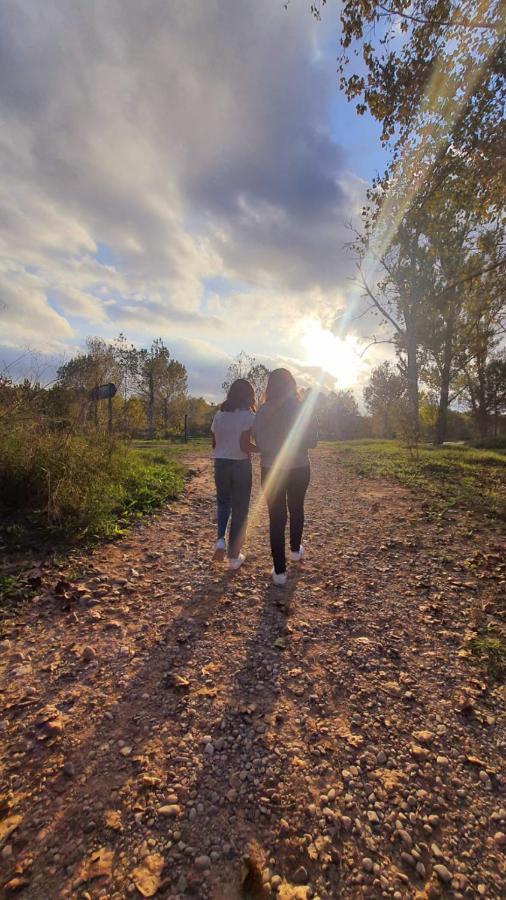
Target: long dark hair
{"type": "Point", "coordinates": [240, 396]}
{"type": "Point", "coordinates": [281, 386]}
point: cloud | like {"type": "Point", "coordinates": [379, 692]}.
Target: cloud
{"type": "Point", "coordinates": [148, 148]}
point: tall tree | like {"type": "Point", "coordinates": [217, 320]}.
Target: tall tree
{"type": "Point", "coordinates": [173, 386]}
{"type": "Point", "coordinates": [153, 363]}
{"type": "Point", "coordinates": [382, 394]}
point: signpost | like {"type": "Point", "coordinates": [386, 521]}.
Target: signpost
{"type": "Point", "coordinates": [104, 392]}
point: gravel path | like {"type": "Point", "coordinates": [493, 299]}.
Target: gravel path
{"type": "Point", "coordinates": [170, 728]}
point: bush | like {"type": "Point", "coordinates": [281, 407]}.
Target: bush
{"type": "Point", "coordinates": [78, 486]}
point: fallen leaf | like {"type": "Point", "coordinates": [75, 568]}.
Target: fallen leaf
{"type": "Point", "coordinates": [146, 876]}
{"type": "Point", "coordinates": [288, 891]}
{"type": "Point", "coordinates": [8, 825]}
{"type": "Point", "coordinates": [112, 819]}
{"type": "Point", "coordinates": [97, 865]}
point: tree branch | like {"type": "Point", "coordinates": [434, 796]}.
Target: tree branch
{"type": "Point", "coordinates": [378, 305]}
{"type": "Point", "coordinates": [465, 23]}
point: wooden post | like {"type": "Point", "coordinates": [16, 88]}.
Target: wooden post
{"type": "Point", "coordinates": [186, 428]}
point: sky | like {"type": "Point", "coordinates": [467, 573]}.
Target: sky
{"type": "Point", "coordinates": [182, 170]}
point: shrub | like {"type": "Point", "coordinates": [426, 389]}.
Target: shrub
{"type": "Point", "coordinates": [78, 486]}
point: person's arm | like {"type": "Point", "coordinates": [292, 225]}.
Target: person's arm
{"type": "Point", "coordinates": [246, 443]}
{"type": "Point", "coordinates": [213, 437]}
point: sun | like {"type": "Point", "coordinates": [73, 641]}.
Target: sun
{"type": "Point", "coordinates": [338, 357]}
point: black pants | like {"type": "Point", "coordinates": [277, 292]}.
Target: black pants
{"type": "Point", "coordinates": [287, 487]}
{"type": "Point", "coordinates": [233, 490]}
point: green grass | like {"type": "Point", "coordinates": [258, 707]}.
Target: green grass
{"type": "Point", "coordinates": [79, 488]}
{"type": "Point", "coordinates": [446, 477]}
{"type": "Point", "coordinates": [490, 650]}
{"type": "Point", "coordinates": [173, 448]}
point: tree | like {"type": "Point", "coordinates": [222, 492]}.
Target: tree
{"type": "Point", "coordinates": [127, 362]}
{"type": "Point", "coordinates": [200, 413]}
{"type": "Point", "coordinates": [496, 391]}
{"type": "Point", "coordinates": [245, 366]}
{"type": "Point", "coordinates": [382, 394]}
{"type": "Point", "coordinates": [88, 370]}
{"type": "Point", "coordinates": [337, 413]}
{"type": "Point", "coordinates": [486, 394]}
{"type": "Point", "coordinates": [152, 370]}
{"type": "Point", "coordinates": [173, 384]}
{"type": "Point", "coordinates": [446, 75]}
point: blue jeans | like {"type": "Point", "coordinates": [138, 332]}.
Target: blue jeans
{"type": "Point", "coordinates": [233, 492]}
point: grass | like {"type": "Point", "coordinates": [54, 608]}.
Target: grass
{"type": "Point", "coordinates": [490, 650]}
{"type": "Point", "coordinates": [173, 448]}
{"type": "Point", "coordinates": [446, 477]}
{"type": "Point", "coordinates": [79, 488]}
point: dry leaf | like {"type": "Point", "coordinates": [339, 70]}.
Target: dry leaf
{"type": "Point", "coordinates": [112, 819]}
{"type": "Point", "coordinates": [146, 876]}
{"type": "Point", "coordinates": [292, 892]}
{"type": "Point", "coordinates": [97, 865]}
{"type": "Point", "coordinates": [8, 825]}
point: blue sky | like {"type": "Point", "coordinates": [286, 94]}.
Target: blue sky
{"type": "Point", "coordinates": [179, 170]}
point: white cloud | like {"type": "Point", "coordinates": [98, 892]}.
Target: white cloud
{"type": "Point", "coordinates": [147, 149]}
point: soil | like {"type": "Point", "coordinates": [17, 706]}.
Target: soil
{"type": "Point", "coordinates": [171, 728]}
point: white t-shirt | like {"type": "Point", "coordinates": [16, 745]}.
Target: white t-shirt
{"type": "Point", "coordinates": [227, 428]}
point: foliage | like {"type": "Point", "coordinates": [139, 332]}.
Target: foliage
{"type": "Point", "coordinates": [337, 414]}
{"type": "Point", "coordinates": [382, 396]}
{"type": "Point", "coordinates": [485, 392]}
{"type": "Point", "coordinates": [490, 649]}
{"type": "Point", "coordinates": [74, 486]}
{"type": "Point", "coordinates": [200, 416]}
{"type": "Point", "coordinates": [446, 477]}
{"type": "Point", "coordinates": [434, 74]}
{"type": "Point", "coordinates": [148, 379]}
{"type": "Point", "coordinates": [245, 366]}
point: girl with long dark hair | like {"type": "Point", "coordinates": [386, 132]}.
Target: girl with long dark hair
{"type": "Point", "coordinates": [284, 430]}
{"type": "Point", "coordinates": [232, 448]}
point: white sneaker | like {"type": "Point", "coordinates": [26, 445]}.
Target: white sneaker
{"type": "Point", "coordinates": [296, 555]}
{"type": "Point", "coordinates": [235, 564]}
{"type": "Point", "coordinates": [278, 578]}
{"type": "Point", "coordinates": [219, 550]}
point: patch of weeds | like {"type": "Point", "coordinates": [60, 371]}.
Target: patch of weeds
{"type": "Point", "coordinates": [12, 591]}
{"type": "Point", "coordinates": [491, 651]}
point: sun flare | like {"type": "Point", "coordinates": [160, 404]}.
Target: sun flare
{"type": "Point", "coordinates": [336, 356]}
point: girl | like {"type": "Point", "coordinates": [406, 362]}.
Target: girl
{"type": "Point", "coordinates": [232, 447]}
{"type": "Point", "coordinates": [283, 431]}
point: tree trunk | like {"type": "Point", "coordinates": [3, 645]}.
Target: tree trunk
{"type": "Point", "coordinates": [412, 382]}
{"type": "Point", "coordinates": [151, 405]}
{"type": "Point", "coordinates": [442, 413]}
{"type": "Point", "coordinates": [166, 416]}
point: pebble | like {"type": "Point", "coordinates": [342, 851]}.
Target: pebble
{"type": "Point", "coordinates": [500, 839]}
{"type": "Point", "coordinates": [443, 873]}
{"type": "Point", "coordinates": [405, 837]}
{"type": "Point", "coordinates": [202, 862]}
{"type": "Point", "coordinates": [169, 809]}
{"type": "Point", "coordinates": [381, 758]}
{"type": "Point", "coordinates": [300, 875]}
{"type": "Point", "coordinates": [367, 864]}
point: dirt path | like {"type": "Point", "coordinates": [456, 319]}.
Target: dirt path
{"type": "Point", "coordinates": [159, 712]}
